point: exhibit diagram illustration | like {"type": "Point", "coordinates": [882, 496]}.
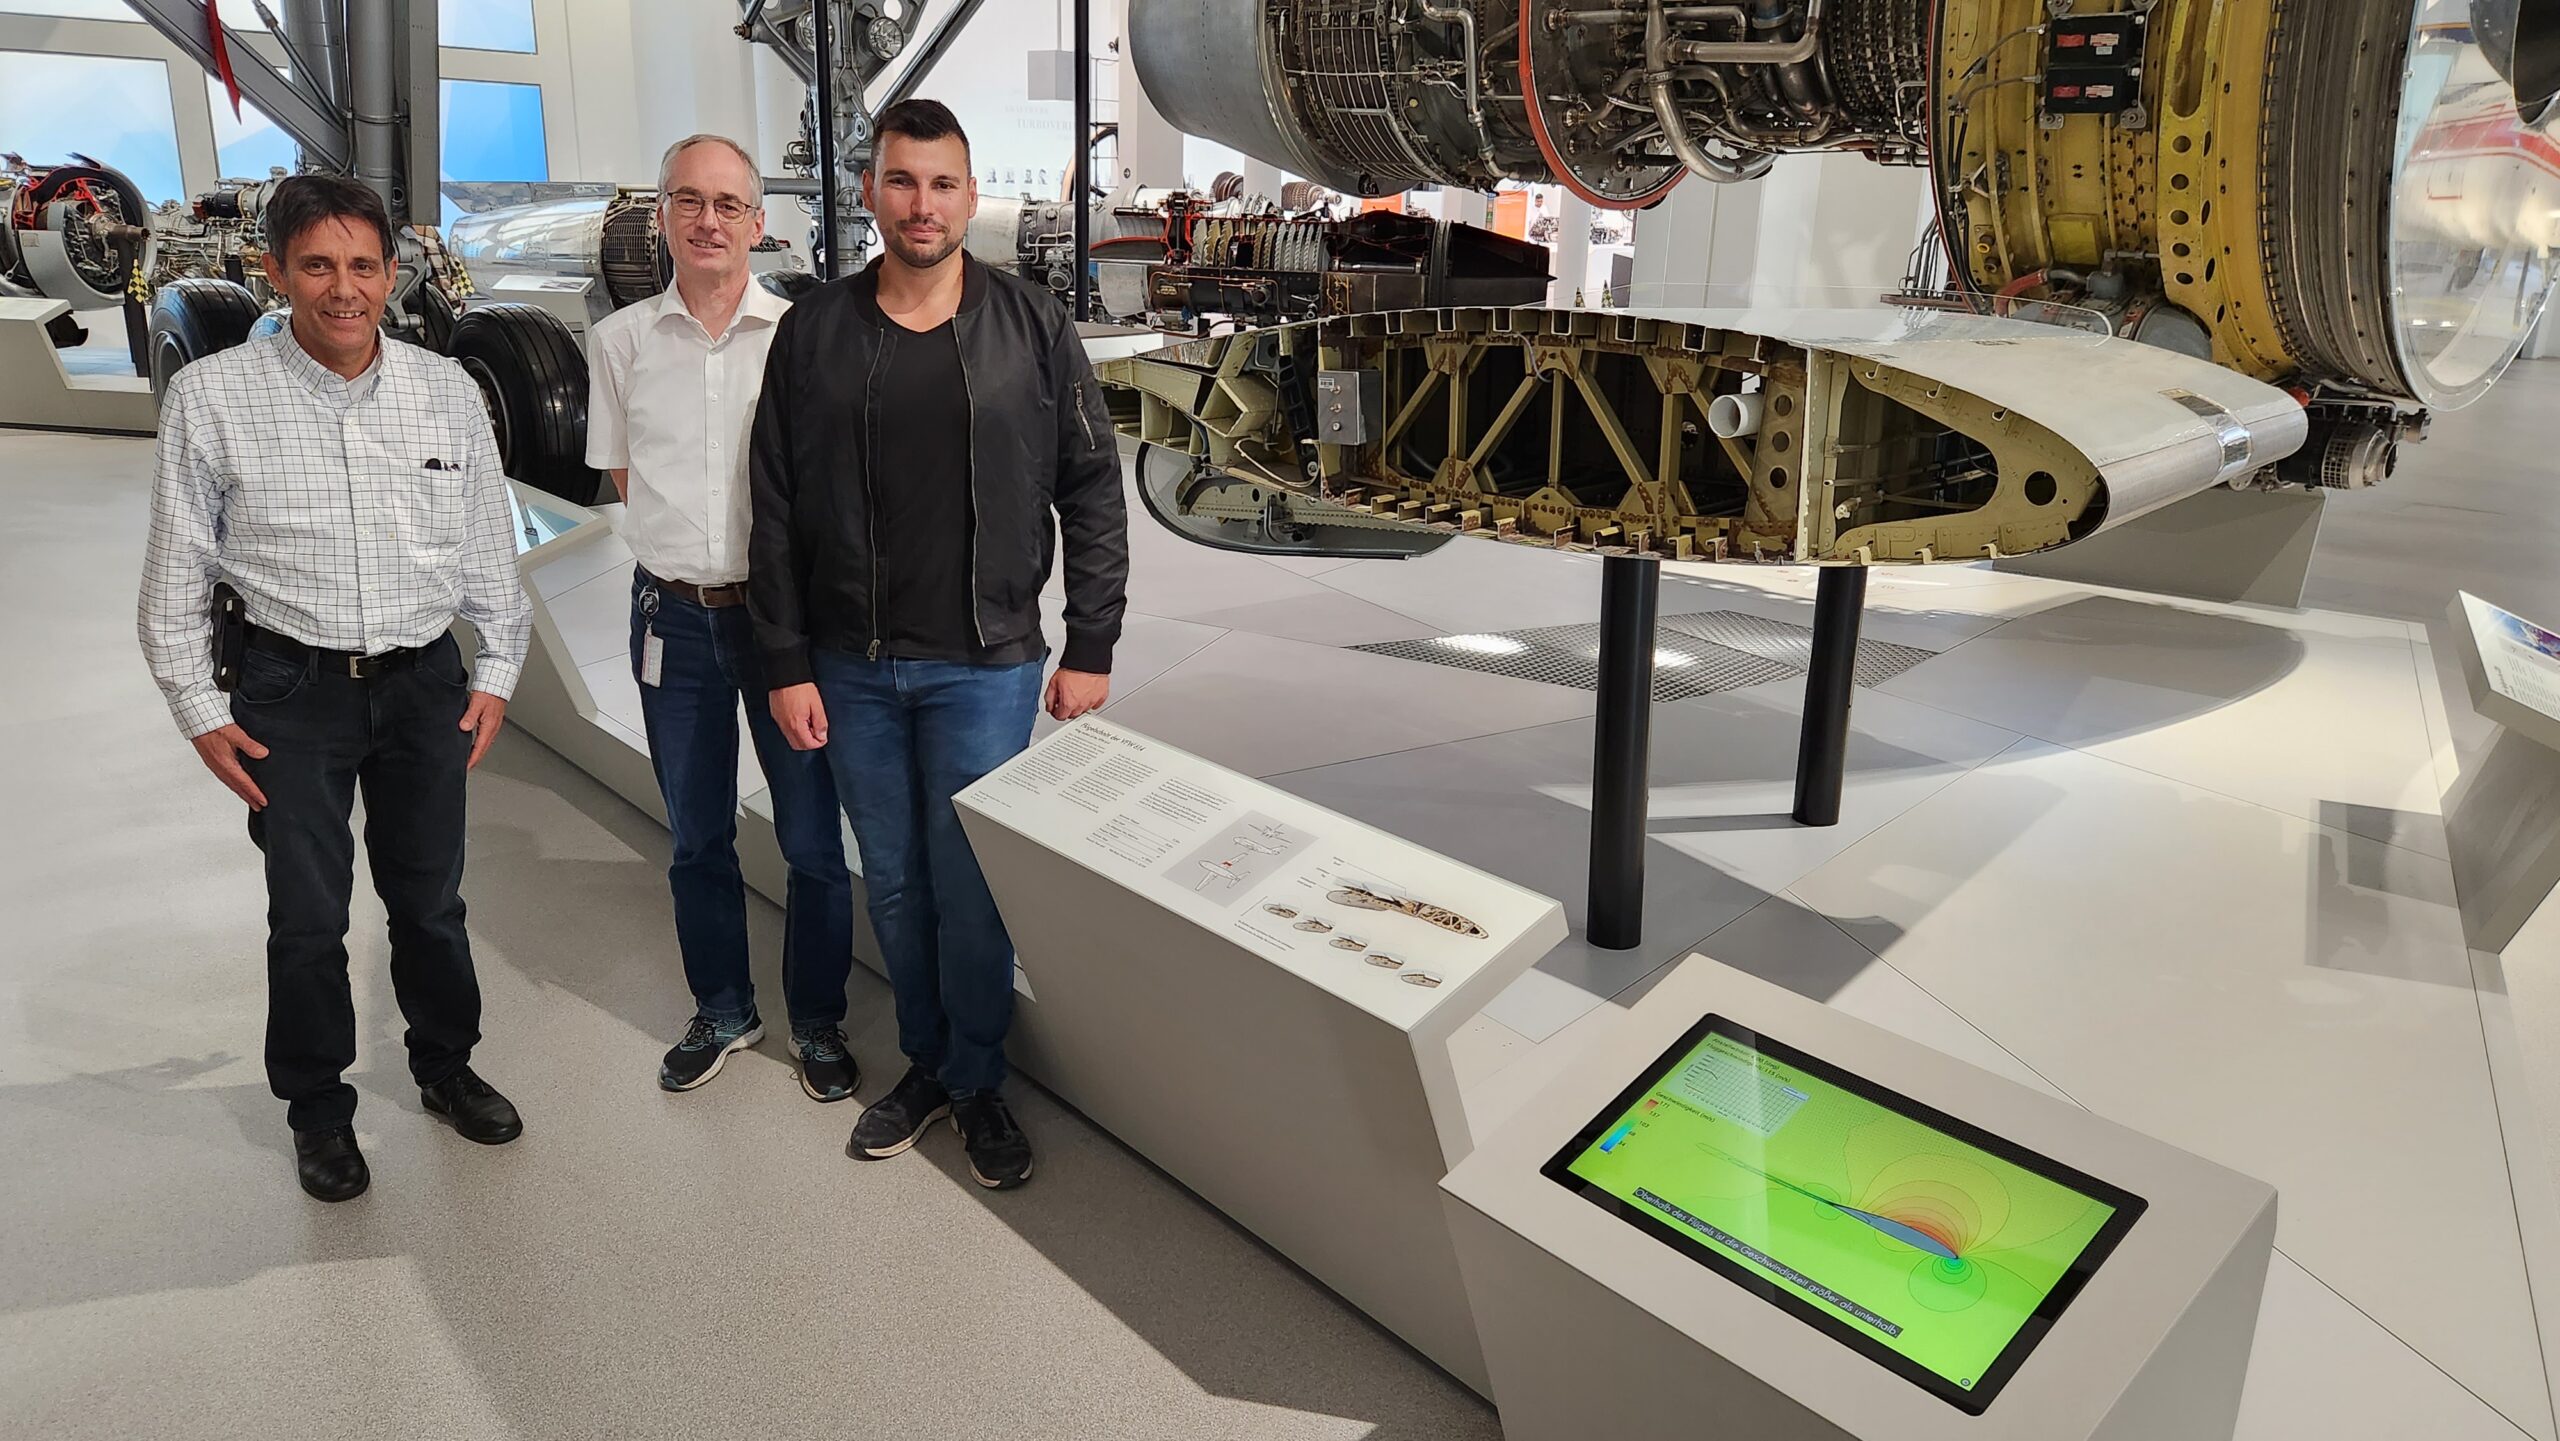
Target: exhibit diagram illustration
{"type": "Point", "coordinates": [1229, 868]}
{"type": "Point", "coordinates": [1368, 899]}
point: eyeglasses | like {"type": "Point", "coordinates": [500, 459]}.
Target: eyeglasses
{"type": "Point", "coordinates": [687, 205]}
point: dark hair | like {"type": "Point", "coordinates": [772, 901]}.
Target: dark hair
{"type": "Point", "coordinates": [921, 120]}
{"type": "Point", "coordinates": [302, 201]}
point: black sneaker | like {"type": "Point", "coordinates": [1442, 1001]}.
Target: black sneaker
{"type": "Point", "coordinates": [827, 1071]}
{"type": "Point", "coordinates": [704, 1049]}
{"type": "Point", "coordinates": [893, 1122]}
{"type": "Point", "coordinates": [999, 1154]}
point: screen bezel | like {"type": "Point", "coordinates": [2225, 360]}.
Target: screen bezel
{"type": "Point", "coordinates": [2128, 1209]}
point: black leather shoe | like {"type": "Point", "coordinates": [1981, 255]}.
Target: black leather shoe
{"type": "Point", "coordinates": [473, 1107]}
{"type": "Point", "coordinates": [331, 1167]}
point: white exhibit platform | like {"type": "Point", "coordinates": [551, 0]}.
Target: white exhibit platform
{"type": "Point", "coordinates": [2038, 1273]}
{"type": "Point", "coordinates": [2182, 864]}
{"type": "Point", "coordinates": [41, 387]}
{"type": "Point", "coordinates": [1257, 994]}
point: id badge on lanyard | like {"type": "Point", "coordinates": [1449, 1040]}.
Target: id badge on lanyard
{"type": "Point", "coordinates": [653, 649]}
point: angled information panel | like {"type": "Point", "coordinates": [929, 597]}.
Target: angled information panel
{"type": "Point", "coordinates": [2502, 819]}
{"type": "Point", "coordinates": [2517, 661]}
{"type": "Point", "coordinates": [1934, 1248]}
{"type": "Point", "coordinates": [1383, 924]}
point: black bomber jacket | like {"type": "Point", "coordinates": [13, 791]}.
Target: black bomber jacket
{"type": "Point", "coordinates": [1040, 440]}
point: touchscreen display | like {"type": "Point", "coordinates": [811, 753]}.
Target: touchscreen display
{"type": "Point", "coordinates": [1930, 1246]}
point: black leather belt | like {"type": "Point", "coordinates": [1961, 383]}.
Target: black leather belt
{"type": "Point", "coordinates": [336, 662]}
{"type": "Point", "coordinates": [710, 597]}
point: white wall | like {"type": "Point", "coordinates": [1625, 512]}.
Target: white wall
{"type": "Point", "coordinates": [1841, 222]}
{"type": "Point", "coordinates": [1820, 228]}
{"type": "Point", "coordinates": [1151, 150]}
{"type": "Point", "coordinates": [647, 73]}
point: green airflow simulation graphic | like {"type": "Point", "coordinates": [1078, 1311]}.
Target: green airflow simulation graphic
{"type": "Point", "coordinates": [1935, 1248]}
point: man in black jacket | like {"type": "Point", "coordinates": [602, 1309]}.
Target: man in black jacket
{"type": "Point", "coordinates": [919, 423]}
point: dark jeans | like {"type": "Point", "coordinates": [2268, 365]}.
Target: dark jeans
{"type": "Point", "coordinates": [398, 738]}
{"type": "Point", "coordinates": [903, 738]}
{"type": "Point", "coordinates": [707, 667]}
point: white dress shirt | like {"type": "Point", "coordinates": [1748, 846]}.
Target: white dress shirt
{"type": "Point", "coordinates": [358, 515]}
{"type": "Point", "coordinates": [674, 404]}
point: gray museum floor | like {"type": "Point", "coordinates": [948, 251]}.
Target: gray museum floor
{"type": "Point", "coordinates": [2179, 863]}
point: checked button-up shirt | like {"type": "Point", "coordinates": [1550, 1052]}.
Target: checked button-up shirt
{"type": "Point", "coordinates": [358, 515]}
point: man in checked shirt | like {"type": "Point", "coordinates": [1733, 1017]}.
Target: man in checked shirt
{"type": "Point", "coordinates": [350, 491]}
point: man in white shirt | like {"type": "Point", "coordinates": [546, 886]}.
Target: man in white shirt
{"type": "Point", "coordinates": [674, 387]}
{"type": "Point", "coordinates": [349, 490]}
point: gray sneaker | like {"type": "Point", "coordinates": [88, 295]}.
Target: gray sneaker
{"type": "Point", "coordinates": [705, 1049]}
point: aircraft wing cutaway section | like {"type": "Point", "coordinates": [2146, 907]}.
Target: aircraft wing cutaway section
{"type": "Point", "coordinates": [1861, 436]}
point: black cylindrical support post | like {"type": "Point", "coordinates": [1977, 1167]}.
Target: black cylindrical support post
{"type": "Point", "coordinates": [1822, 757]}
{"type": "Point", "coordinates": [823, 42]}
{"type": "Point", "coordinates": [1630, 595]}
{"type": "Point", "coordinates": [1081, 199]}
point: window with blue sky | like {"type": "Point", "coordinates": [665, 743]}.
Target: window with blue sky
{"type": "Point", "coordinates": [114, 110]}
{"type": "Point", "coordinates": [463, 24]}
{"type": "Point", "coordinates": [492, 131]}
{"type": "Point", "coordinates": [248, 147]}
{"type": "Point", "coordinates": [485, 24]}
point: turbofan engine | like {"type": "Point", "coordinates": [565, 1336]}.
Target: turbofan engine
{"type": "Point", "coordinates": [1614, 101]}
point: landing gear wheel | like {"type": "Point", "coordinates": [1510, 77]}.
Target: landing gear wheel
{"type": "Point", "coordinates": [191, 319]}
{"type": "Point", "coordinates": [436, 319]}
{"type": "Point", "coordinates": [534, 382]}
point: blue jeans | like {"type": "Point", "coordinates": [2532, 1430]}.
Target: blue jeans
{"type": "Point", "coordinates": [708, 666]}
{"type": "Point", "coordinates": [903, 738]}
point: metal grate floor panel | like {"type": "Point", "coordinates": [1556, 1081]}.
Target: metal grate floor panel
{"type": "Point", "coordinates": [1694, 655]}
{"type": "Point", "coordinates": [1791, 645]}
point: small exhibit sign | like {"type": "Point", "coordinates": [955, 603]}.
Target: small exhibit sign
{"type": "Point", "coordinates": [1374, 919]}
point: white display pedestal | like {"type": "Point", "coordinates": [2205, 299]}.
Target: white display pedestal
{"type": "Point", "coordinates": [1299, 1085]}
{"type": "Point", "coordinates": [572, 299]}
{"type": "Point", "coordinates": [1593, 1328]}
{"type": "Point", "coordinates": [2502, 821]}
{"type": "Point", "coordinates": [35, 389]}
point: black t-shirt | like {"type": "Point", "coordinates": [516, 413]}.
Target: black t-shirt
{"type": "Point", "coordinates": [927, 604]}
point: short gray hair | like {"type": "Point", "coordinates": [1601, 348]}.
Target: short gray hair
{"type": "Point", "coordinates": [755, 177]}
